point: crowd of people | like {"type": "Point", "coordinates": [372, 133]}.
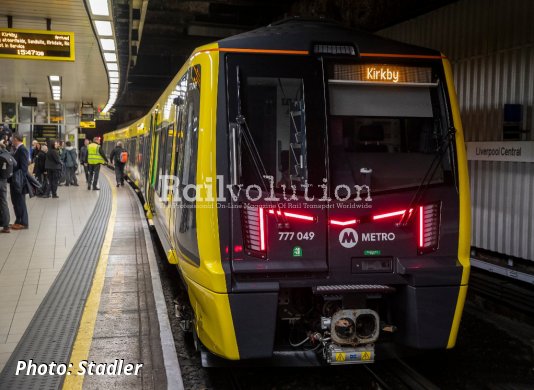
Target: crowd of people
{"type": "Point", "coordinates": [45, 167]}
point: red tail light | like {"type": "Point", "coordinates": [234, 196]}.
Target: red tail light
{"type": "Point", "coordinates": [343, 223]}
{"type": "Point", "coordinates": [254, 230]}
{"type": "Point", "coordinates": [429, 224]}
{"type": "Point", "coordinates": [262, 229]}
{"type": "Point", "coordinates": [388, 215]}
{"type": "Point", "coordinates": [292, 215]}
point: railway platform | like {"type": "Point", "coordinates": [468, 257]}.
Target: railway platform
{"type": "Point", "coordinates": [82, 304]}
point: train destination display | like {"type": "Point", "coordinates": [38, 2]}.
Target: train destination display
{"type": "Point", "coordinates": [36, 44]}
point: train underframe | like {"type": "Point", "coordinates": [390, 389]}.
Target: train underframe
{"type": "Point", "coordinates": [339, 324]}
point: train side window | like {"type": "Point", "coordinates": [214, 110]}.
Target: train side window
{"type": "Point", "coordinates": [181, 91]}
{"type": "Point", "coordinates": [186, 224]}
{"type": "Point", "coordinates": [139, 158]}
{"type": "Point", "coordinates": [161, 159]}
{"type": "Point", "coordinates": [168, 151]}
{"type": "Point", "coordinates": [131, 151]}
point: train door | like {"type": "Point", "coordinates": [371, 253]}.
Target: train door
{"type": "Point", "coordinates": [178, 154]}
{"type": "Point", "coordinates": [184, 221]}
{"type": "Point", "coordinates": [151, 172]}
{"type": "Point", "coordinates": [140, 161]}
{"type": "Point", "coordinates": [276, 125]}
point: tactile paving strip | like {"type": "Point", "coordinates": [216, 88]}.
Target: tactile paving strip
{"type": "Point", "coordinates": [51, 333]}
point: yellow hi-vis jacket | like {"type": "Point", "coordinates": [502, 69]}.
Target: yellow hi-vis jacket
{"type": "Point", "coordinates": [93, 154]}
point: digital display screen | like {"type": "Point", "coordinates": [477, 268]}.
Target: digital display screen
{"type": "Point", "coordinates": [36, 44]}
{"type": "Point", "coordinates": [381, 74]}
{"type": "Point", "coordinates": [45, 132]}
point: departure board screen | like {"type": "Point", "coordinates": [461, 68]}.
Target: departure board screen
{"type": "Point", "coordinates": [36, 44]}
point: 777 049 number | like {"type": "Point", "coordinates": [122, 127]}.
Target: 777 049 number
{"type": "Point", "coordinates": [288, 236]}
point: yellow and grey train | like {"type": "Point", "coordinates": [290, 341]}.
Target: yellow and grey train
{"type": "Point", "coordinates": [310, 184]}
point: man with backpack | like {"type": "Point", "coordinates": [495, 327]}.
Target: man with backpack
{"type": "Point", "coordinates": [119, 156]}
{"type": "Point", "coordinates": [7, 163]}
{"type": "Point", "coordinates": [70, 160]}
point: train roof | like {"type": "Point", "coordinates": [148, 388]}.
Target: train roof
{"type": "Point", "coordinates": [300, 35]}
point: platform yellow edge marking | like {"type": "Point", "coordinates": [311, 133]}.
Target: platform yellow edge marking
{"type": "Point", "coordinates": [84, 338]}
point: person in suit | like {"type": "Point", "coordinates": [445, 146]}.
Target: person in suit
{"type": "Point", "coordinates": [5, 173]}
{"type": "Point", "coordinates": [53, 168]}
{"type": "Point", "coordinates": [22, 158]}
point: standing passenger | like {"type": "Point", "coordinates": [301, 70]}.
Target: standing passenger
{"type": "Point", "coordinates": [83, 159]}
{"type": "Point", "coordinates": [7, 163]}
{"type": "Point", "coordinates": [39, 170]}
{"type": "Point", "coordinates": [70, 160]}
{"type": "Point", "coordinates": [53, 170]}
{"type": "Point", "coordinates": [36, 146]}
{"type": "Point", "coordinates": [95, 157]}
{"type": "Point", "coordinates": [18, 195]}
{"type": "Point", "coordinates": [119, 157]}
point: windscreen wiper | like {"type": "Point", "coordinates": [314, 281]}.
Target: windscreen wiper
{"type": "Point", "coordinates": [429, 175]}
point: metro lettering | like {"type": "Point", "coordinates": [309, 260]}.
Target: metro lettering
{"type": "Point", "coordinates": [378, 237]}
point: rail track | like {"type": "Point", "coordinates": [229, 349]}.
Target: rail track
{"type": "Point", "coordinates": [396, 374]}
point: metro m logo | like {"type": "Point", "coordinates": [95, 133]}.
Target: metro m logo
{"type": "Point", "coordinates": [348, 238]}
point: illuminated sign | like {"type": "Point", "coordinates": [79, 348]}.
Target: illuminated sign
{"type": "Point", "coordinates": [36, 44]}
{"type": "Point", "coordinates": [383, 74]}
{"type": "Point", "coordinates": [88, 125]}
{"type": "Point", "coordinates": [45, 132]}
{"type": "Point", "coordinates": [102, 116]}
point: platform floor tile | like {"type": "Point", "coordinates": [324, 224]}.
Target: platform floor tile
{"type": "Point", "coordinates": [31, 259]}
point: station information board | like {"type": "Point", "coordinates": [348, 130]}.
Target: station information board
{"type": "Point", "coordinates": [45, 132]}
{"type": "Point", "coordinates": [36, 44]}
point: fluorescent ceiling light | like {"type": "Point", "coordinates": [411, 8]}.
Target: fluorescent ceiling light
{"type": "Point", "coordinates": [112, 65]}
{"type": "Point", "coordinates": [113, 80]}
{"type": "Point", "coordinates": [107, 44]}
{"type": "Point", "coordinates": [103, 28]}
{"type": "Point", "coordinates": [56, 88]}
{"type": "Point", "coordinates": [99, 7]}
{"type": "Point", "coordinates": [110, 57]}
{"type": "Point", "coordinates": [113, 74]}
{"type": "Point", "coordinates": [53, 78]}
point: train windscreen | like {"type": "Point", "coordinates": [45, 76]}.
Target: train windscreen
{"type": "Point", "coordinates": [280, 105]}
{"type": "Point", "coordinates": [386, 126]}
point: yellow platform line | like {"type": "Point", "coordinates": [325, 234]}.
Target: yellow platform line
{"type": "Point", "coordinates": [82, 344]}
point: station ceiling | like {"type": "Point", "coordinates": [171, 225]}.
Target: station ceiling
{"type": "Point", "coordinates": [173, 28]}
{"type": "Point", "coordinates": [155, 37]}
{"type": "Point", "coordinates": [84, 80]}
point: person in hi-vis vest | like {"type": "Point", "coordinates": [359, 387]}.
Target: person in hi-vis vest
{"type": "Point", "coordinates": [95, 157]}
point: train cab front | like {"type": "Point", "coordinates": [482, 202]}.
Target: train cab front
{"type": "Point", "coordinates": [345, 222]}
